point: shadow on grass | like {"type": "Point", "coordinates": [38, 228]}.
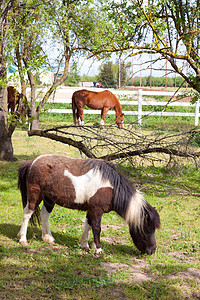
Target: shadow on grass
{"type": "Point", "coordinates": [60, 273]}
{"type": "Point", "coordinates": [64, 239]}
{"type": "Point", "coordinates": [34, 233]}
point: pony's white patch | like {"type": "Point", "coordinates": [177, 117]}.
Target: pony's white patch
{"type": "Point", "coordinates": [97, 250]}
{"type": "Point", "coordinates": [87, 185]}
{"type": "Point", "coordinates": [134, 211]}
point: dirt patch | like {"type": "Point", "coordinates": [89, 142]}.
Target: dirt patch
{"type": "Point", "coordinates": [138, 275]}
{"type": "Point", "coordinates": [42, 249]}
{"type": "Point", "coordinates": [106, 227]}
{"type": "Point", "coordinates": [183, 256]}
{"type": "Point", "coordinates": [135, 270]}
{"type": "Point", "coordinates": [190, 273]}
{"type": "Point", "coordinates": [111, 239]}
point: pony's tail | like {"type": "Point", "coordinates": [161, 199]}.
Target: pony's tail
{"type": "Point", "coordinates": [74, 109]}
{"type": "Point", "coordinates": [22, 185]}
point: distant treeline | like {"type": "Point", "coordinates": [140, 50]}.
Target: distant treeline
{"type": "Point", "coordinates": [86, 78]}
{"type": "Point", "coordinates": [157, 81]}
{"type": "Point", "coordinates": [145, 81]}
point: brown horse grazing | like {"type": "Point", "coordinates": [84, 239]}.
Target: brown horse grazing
{"type": "Point", "coordinates": [90, 185]}
{"type": "Point", "coordinates": [104, 100]}
{"type": "Point", "coordinates": [17, 102]}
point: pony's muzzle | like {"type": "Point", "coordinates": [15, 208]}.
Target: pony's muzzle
{"type": "Point", "coordinates": [150, 251]}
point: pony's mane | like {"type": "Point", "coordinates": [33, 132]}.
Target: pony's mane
{"type": "Point", "coordinates": [127, 201]}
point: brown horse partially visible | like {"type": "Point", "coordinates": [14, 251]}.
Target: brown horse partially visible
{"type": "Point", "coordinates": [17, 102]}
{"type": "Point", "coordinates": [104, 100]}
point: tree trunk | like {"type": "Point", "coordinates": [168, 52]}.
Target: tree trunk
{"type": "Point", "coordinates": [6, 148]}
{"type": "Point", "coordinates": [20, 69]}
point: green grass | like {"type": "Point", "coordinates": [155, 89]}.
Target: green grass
{"type": "Point", "coordinates": [64, 271]}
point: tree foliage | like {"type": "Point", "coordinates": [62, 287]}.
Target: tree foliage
{"type": "Point", "coordinates": [73, 76]}
{"type": "Point", "coordinates": [42, 34]}
{"type": "Point", "coordinates": [170, 28]}
{"type": "Point", "coordinates": [158, 81]}
{"type": "Point", "coordinates": [106, 76]}
{"type": "Point", "coordinates": [109, 74]}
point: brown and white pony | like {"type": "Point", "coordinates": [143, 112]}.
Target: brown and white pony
{"type": "Point", "coordinates": [90, 185]}
{"type": "Point", "coordinates": [104, 100]}
{"type": "Point", "coordinates": [17, 102]}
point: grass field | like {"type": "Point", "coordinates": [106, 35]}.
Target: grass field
{"type": "Point", "coordinates": [64, 271]}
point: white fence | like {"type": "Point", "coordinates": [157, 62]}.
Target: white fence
{"type": "Point", "coordinates": [140, 103]}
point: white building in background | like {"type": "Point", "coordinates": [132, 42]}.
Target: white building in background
{"type": "Point", "coordinates": [44, 76]}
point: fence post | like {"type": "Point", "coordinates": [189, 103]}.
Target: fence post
{"type": "Point", "coordinates": [196, 122]}
{"type": "Point", "coordinates": [139, 106]}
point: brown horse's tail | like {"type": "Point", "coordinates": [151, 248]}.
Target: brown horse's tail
{"type": "Point", "coordinates": [22, 184]}
{"type": "Point", "coordinates": [74, 109]}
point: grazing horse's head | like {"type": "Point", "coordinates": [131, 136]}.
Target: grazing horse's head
{"type": "Point", "coordinates": [144, 237]}
{"type": "Point", "coordinates": [120, 121]}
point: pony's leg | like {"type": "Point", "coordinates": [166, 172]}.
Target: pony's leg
{"type": "Point", "coordinates": [46, 233]}
{"type": "Point", "coordinates": [27, 213]}
{"type": "Point", "coordinates": [102, 123]}
{"type": "Point", "coordinates": [85, 235]}
{"type": "Point", "coordinates": [80, 117]}
{"type": "Point", "coordinates": [104, 112]}
{"type": "Point", "coordinates": [94, 218]}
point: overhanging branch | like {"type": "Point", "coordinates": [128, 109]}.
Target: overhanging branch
{"type": "Point", "coordinates": [118, 144]}
{"type": "Point", "coordinates": [79, 145]}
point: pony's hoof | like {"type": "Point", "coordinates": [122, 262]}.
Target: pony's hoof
{"type": "Point", "coordinates": [98, 251]}
{"type": "Point", "coordinates": [85, 247]}
{"type": "Point", "coordinates": [48, 239]}
{"type": "Point", "coordinates": [24, 243]}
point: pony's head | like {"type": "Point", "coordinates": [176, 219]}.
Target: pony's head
{"type": "Point", "coordinates": [120, 121]}
{"type": "Point", "coordinates": [143, 235]}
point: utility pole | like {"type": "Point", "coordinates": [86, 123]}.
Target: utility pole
{"type": "Point", "coordinates": [140, 71]}
{"type": "Point", "coordinates": [151, 73]}
{"type": "Point", "coordinates": [119, 71]}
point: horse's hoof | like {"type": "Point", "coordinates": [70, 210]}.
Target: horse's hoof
{"type": "Point", "coordinates": [87, 248]}
{"type": "Point", "coordinates": [48, 239]}
{"type": "Point", "coordinates": [98, 251]}
{"type": "Point", "coordinates": [24, 243]}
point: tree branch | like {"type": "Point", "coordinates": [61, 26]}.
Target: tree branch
{"type": "Point", "coordinates": [115, 144]}
{"type": "Point", "coordinates": [77, 144]}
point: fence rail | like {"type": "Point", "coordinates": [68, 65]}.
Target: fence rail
{"type": "Point", "coordinates": [140, 103]}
